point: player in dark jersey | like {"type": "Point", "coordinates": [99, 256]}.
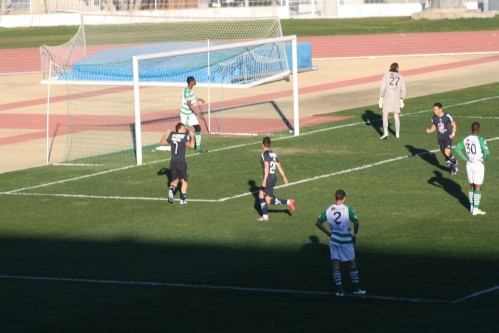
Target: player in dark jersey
{"type": "Point", "coordinates": [178, 140]}
{"type": "Point", "coordinates": [270, 162]}
{"type": "Point", "coordinates": [446, 127]}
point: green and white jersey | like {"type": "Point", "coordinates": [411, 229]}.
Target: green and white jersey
{"type": "Point", "coordinates": [475, 148]}
{"type": "Point", "coordinates": [187, 95]}
{"type": "Point", "coordinates": [338, 218]}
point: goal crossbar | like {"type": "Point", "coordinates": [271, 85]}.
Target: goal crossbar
{"type": "Point", "coordinates": [137, 84]}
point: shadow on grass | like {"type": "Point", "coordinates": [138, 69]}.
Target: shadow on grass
{"type": "Point", "coordinates": [426, 156]}
{"type": "Point", "coordinates": [374, 120]}
{"type": "Point", "coordinates": [63, 285]}
{"type": "Point", "coordinates": [254, 189]}
{"type": "Point", "coordinates": [449, 186]}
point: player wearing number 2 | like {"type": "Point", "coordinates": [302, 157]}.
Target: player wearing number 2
{"type": "Point", "coordinates": [341, 241]}
{"type": "Point", "coordinates": [178, 140]}
{"type": "Point", "coordinates": [270, 162]}
{"type": "Point", "coordinates": [477, 153]}
{"type": "Point", "coordinates": [391, 100]}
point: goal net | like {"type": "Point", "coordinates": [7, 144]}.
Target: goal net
{"type": "Point", "coordinates": [124, 81]}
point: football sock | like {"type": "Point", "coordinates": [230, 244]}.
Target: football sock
{"type": "Point", "coordinates": [385, 125]}
{"type": "Point", "coordinates": [173, 189]}
{"type": "Point", "coordinates": [276, 201]}
{"type": "Point", "coordinates": [263, 206]}
{"type": "Point", "coordinates": [337, 280]}
{"type": "Point", "coordinates": [397, 125]}
{"type": "Point", "coordinates": [183, 196]}
{"type": "Point", "coordinates": [470, 197]}
{"type": "Point", "coordinates": [476, 199]}
{"type": "Point", "coordinates": [198, 140]}
{"type": "Point", "coordinates": [354, 275]}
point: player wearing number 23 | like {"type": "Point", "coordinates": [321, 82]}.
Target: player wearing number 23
{"type": "Point", "coordinates": [178, 140]}
{"type": "Point", "coordinates": [270, 163]}
{"type": "Point", "coordinates": [477, 153]}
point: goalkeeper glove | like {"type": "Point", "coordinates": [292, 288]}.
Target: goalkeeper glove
{"type": "Point", "coordinates": [380, 103]}
{"type": "Point", "coordinates": [402, 103]}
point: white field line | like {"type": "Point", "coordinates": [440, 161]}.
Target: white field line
{"type": "Point", "coordinates": [232, 147]}
{"type": "Point", "coordinates": [220, 287]}
{"type": "Point", "coordinates": [367, 166]}
{"type": "Point", "coordinates": [478, 293]}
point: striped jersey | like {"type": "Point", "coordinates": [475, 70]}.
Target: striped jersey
{"type": "Point", "coordinates": [187, 95]}
{"type": "Point", "coordinates": [475, 148]}
{"type": "Point", "coordinates": [338, 218]}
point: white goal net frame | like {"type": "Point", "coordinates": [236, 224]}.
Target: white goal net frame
{"type": "Point", "coordinates": [207, 50]}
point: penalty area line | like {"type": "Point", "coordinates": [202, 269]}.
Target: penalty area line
{"type": "Point", "coordinates": [219, 287]}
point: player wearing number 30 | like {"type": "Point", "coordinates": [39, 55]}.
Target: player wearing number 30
{"type": "Point", "coordinates": [178, 140]}
{"type": "Point", "coordinates": [341, 241]}
{"type": "Point", "coordinates": [270, 162]}
{"type": "Point", "coordinates": [477, 153]}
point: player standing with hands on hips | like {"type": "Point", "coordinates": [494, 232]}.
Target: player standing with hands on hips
{"type": "Point", "coordinates": [341, 241]}
{"type": "Point", "coordinates": [270, 162]}
{"type": "Point", "coordinates": [477, 153]}
{"type": "Point", "coordinates": [446, 128]}
{"type": "Point", "coordinates": [391, 100]}
{"type": "Point", "coordinates": [178, 140]}
{"type": "Point", "coordinates": [188, 114]}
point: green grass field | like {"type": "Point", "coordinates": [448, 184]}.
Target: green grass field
{"type": "Point", "coordinates": [92, 249]}
{"type": "Point", "coordinates": [36, 36]}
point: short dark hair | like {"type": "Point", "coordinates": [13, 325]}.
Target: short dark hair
{"type": "Point", "coordinates": [178, 127]}
{"type": "Point", "coordinates": [340, 195]}
{"type": "Point", "coordinates": [190, 78]}
{"type": "Point", "coordinates": [438, 105]}
{"type": "Point", "coordinates": [475, 126]}
{"type": "Point", "coordinates": [266, 141]}
{"type": "Point", "coordinates": [394, 67]}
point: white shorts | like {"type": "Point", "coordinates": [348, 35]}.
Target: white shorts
{"type": "Point", "coordinates": [342, 253]}
{"type": "Point", "coordinates": [476, 172]}
{"type": "Point", "coordinates": [189, 120]}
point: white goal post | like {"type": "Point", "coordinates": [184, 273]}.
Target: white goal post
{"type": "Point", "coordinates": [208, 50]}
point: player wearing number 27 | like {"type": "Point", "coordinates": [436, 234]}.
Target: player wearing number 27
{"type": "Point", "coordinates": [391, 100]}
{"type": "Point", "coordinates": [477, 153]}
{"type": "Point", "coordinates": [179, 140]}
{"type": "Point", "coordinates": [270, 162]}
{"type": "Point", "coordinates": [341, 240]}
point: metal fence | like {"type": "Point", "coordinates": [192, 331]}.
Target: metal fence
{"type": "Point", "coordinates": [295, 7]}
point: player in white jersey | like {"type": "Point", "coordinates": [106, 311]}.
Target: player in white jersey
{"type": "Point", "coordinates": [188, 115]}
{"type": "Point", "coordinates": [477, 153]}
{"type": "Point", "coordinates": [391, 100]}
{"type": "Point", "coordinates": [338, 217]}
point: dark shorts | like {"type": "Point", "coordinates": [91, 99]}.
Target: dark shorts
{"type": "Point", "coordinates": [444, 144]}
{"type": "Point", "coordinates": [269, 189]}
{"type": "Point", "coordinates": [179, 170]}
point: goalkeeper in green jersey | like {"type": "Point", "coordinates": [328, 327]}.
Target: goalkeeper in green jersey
{"type": "Point", "coordinates": [477, 154]}
{"type": "Point", "coordinates": [188, 114]}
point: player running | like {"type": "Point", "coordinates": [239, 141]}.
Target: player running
{"type": "Point", "coordinates": [446, 131]}
{"type": "Point", "coordinates": [270, 162]}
